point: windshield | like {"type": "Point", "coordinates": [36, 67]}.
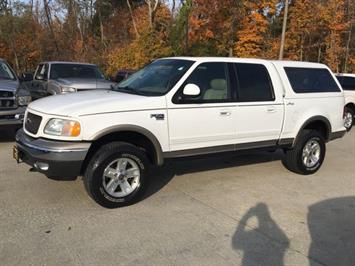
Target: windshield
{"type": "Point", "coordinates": [75, 71]}
{"type": "Point", "coordinates": [155, 79]}
{"type": "Point", "coordinates": [6, 72]}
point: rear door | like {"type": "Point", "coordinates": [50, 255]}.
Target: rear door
{"type": "Point", "coordinates": [260, 107]}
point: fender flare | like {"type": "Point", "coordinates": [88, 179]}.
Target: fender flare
{"type": "Point", "coordinates": [134, 128]}
{"type": "Point", "coordinates": [315, 119]}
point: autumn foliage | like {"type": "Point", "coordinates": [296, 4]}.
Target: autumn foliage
{"type": "Point", "coordinates": [126, 34]}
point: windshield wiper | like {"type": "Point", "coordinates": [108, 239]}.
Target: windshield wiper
{"type": "Point", "coordinates": [126, 89]}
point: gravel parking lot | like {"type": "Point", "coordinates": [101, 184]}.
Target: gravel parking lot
{"type": "Point", "coordinates": [222, 210]}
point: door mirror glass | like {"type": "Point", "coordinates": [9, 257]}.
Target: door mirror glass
{"type": "Point", "coordinates": [40, 77]}
{"type": "Point", "coordinates": [191, 90]}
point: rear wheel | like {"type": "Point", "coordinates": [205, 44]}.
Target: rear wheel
{"type": "Point", "coordinates": [117, 175]}
{"type": "Point", "coordinates": [348, 118]}
{"type": "Point", "coordinates": [308, 154]}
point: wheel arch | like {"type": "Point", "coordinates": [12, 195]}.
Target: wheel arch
{"type": "Point", "coordinates": [132, 134]}
{"type": "Point", "coordinates": [351, 105]}
{"type": "Point", "coordinates": [319, 123]}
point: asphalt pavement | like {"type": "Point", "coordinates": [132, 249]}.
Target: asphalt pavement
{"type": "Point", "coordinates": [222, 210]}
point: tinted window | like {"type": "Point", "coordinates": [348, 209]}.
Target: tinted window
{"type": "Point", "coordinates": [75, 71]}
{"type": "Point", "coordinates": [253, 82]}
{"type": "Point", "coordinates": [348, 83]}
{"type": "Point", "coordinates": [311, 80]}
{"type": "Point", "coordinates": [212, 80]}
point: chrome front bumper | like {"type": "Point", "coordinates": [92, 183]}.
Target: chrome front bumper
{"type": "Point", "coordinates": [12, 117]}
{"type": "Point", "coordinates": [60, 159]}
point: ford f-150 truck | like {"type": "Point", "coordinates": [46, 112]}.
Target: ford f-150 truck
{"type": "Point", "coordinates": [13, 98]}
{"type": "Point", "coordinates": [59, 77]}
{"type": "Point", "coordinates": [178, 107]}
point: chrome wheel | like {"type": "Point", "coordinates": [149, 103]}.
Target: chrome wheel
{"type": "Point", "coordinates": [311, 153]}
{"type": "Point", "coordinates": [121, 177]}
{"type": "Point", "coordinates": [348, 120]}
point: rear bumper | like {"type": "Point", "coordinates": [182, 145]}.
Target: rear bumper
{"type": "Point", "coordinates": [56, 159]}
{"type": "Point", "coordinates": [12, 117]}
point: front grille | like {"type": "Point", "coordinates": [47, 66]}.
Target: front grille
{"type": "Point", "coordinates": [6, 94]}
{"type": "Point", "coordinates": [7, 117]}
{"type": "Point", "coordinates": [7, 100]}
{"type": "Point", "coordinates": [7, 103]}
{"type": "Point", "coordinates": [32, 123]}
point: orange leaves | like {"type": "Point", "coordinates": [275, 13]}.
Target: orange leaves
{"type": "Point", "coordinates": [149, 45]}
{"type": "Point", "coordinates": [317, 32]}
{"type": "Point", "coordinates": [252, 33]}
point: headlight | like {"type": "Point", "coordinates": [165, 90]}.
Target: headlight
{"type": "Point", "coordinates": [24, 100]}
{"type": "Point", "coordinates": [62, 127]}
{"type": "Point", "coordinates": [67, 89]}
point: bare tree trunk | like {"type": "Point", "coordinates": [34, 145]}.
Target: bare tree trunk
{"type": "Point", "coordinates": [132, 17]}
{"type": "Point", "coordinates": [31, 5]}
{"type": "Point", "coordinates": [101, 25]}
{"type": "Point", "coordinates": [173, 5]}
{"type": "Point", "coordinates": [48, 16]}
{"type": "Point", "coordinates": [283, 36]}
{"type": "Point", "coordinates": [233, 35]}
{"type": "Point", "coordinates": [152, 7]}
{"type": "Point", "coordinates": [13, 48]}
{"type": "Point", "coordinates": [8, 12]}
{"type": "Point", "coordinates": [347, 49]}
{"type": "Point", "coordinates": [187, 33]}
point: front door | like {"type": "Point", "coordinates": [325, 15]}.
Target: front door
{"type": "Point", "coordinates": [208, 119]}
{"type": "Point", "coordinates": [39, 83]}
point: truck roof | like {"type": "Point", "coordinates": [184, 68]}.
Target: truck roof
{"type": "Point", "coordinates": [251, 60]}
{"type": "Point", "coordinates": [345, 75]}
{"type": "Point", "coordinates": [66, 62]}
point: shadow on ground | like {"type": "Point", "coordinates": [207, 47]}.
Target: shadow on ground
{"type": "Point", "coordinates": [161, 176]}
{"type": "Point", "coordinates": [332, 228]}
{"type": "Point", "coordinates": [260, 239]}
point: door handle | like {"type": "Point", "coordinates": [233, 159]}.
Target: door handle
{"type": "Point", "coordinates": [271, 109]}
{"type": "Point", "coordinates": [225, 113]}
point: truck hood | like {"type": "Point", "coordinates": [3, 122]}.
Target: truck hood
{"type": "Point", "coordinates": [9, 85]}
{"type": "Point", "coordinates": [85, 84]}
{"type": "Point", "coordinates": [95, 102]}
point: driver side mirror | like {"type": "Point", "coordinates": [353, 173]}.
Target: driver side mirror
{"type": "Point", "coordinates": [191, 90]}
{"type": "Point", "coordinates": [40, 77]}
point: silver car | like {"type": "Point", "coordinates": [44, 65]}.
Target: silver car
{"type": "Point", "coordinates": [14, 98]}
{"type": "Point", "coordinates": [58, 77]}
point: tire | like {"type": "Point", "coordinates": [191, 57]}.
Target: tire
{"type": "Point", "coordinates": [295, 158]}
{"type": "Point", "coordinates": [348, 118]}
{"type": "Point", "coordinates": [102, 169]}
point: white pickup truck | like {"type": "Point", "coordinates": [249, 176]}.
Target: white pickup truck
{"type": "Point", "coordinates": [347, 81]}
{"type": "Point", "coordinates": [178, 107]}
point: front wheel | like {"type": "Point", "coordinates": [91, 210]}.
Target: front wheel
{"type": "Point", "coordinates": [117, 175]}
{"type": "Point", "coordinates": [308, 154]}
{"type": "Point", "coordinates": [348, 118]}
